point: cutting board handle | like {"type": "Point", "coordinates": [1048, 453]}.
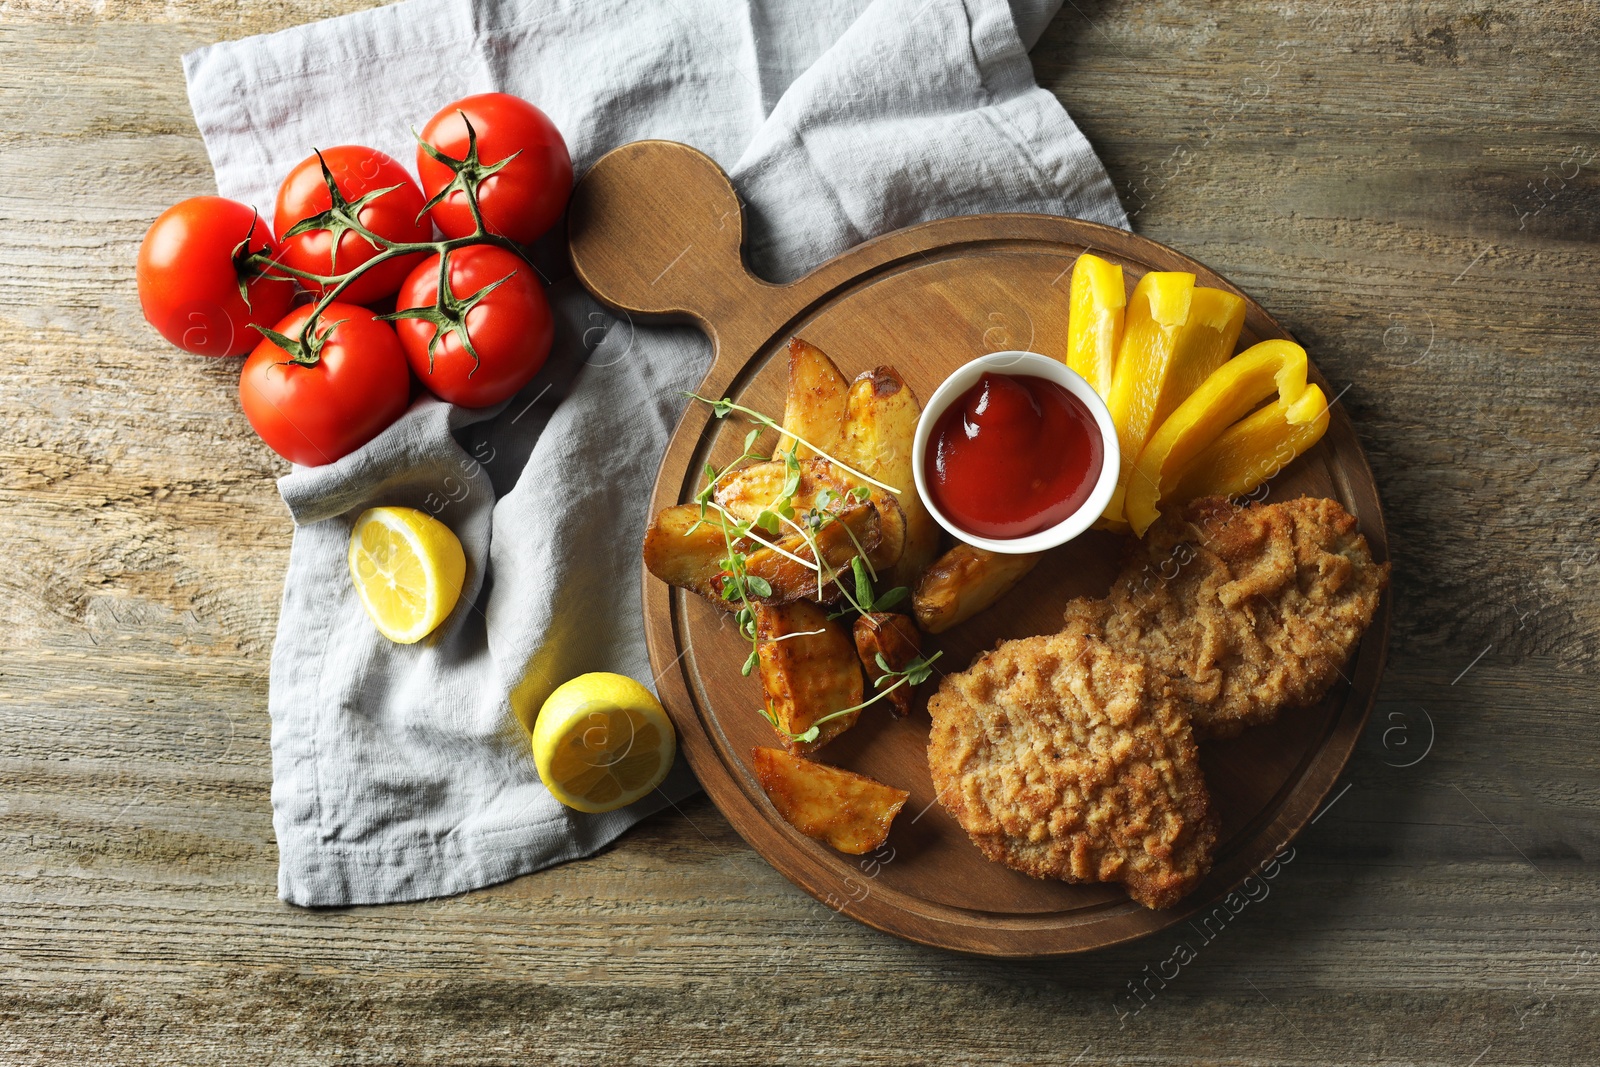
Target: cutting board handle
{"type": "Point", "coordinates": [657, 229]}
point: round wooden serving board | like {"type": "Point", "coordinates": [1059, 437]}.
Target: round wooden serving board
{"type": "Point", "coordinates": [657, 230]}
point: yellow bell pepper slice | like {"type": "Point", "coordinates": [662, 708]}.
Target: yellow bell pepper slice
{"type": "Point", "coordinates": [1205, 341]}
{"type": "Point", "coordinates": [1094, 320]}
{"type": "Point", "coordinates": [1160, 365]}
{"type": "Point", "coordinates": [1233, 391]}
{"type": "Point", "coordinates": [1256, 448]}
{"type": "Point", "coordinates": [1158, 307]}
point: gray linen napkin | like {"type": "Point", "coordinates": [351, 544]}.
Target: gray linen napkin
{"type": "Point", "coordinates": [403, 772]}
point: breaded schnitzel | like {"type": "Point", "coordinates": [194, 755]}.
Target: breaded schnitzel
{"type": "Point", "coordinates": [1064, 758]}
{"type": "Point", "coordinates": [1246, 610]}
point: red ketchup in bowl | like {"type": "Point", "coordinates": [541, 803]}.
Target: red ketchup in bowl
{"type": "Point", "coordinates": [1013, 455]}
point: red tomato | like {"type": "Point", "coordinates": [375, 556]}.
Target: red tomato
{"type": "Point", "coordinates": [314, 414]}
{"type": "Point", "coordinates": [522, 200]}
{"type": "Point", "coordinates": [189, 280]}
{"type": "Point", "coordinates": [393, 216]}
{"type": "Point", "coordinates": [511, 327]}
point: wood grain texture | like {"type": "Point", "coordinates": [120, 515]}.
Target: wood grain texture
{"type": "Point", "coordinates": [656, 230]}
{"type": "Point", "coordinates": [1402, 192]}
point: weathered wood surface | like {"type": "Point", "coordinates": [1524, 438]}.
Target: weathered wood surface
{"type": "Point", "coordinates": [1411, 188]}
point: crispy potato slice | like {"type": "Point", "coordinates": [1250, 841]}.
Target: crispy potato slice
{"type": "Point", "coordinates": [795, 581]}
{"type": "Point", "coordinates": [815, 406]}
{"type": "Point", "coordinates": [808, 670]}
{"type": "Point", "coordinates": [849, 811]}
{"type": "Point", "coordinates": [880, 421]}
{"type": "Point", "coordinates": [963, 582]}
{"type": "Point", "coordinates": [894, 637]}
{"type": "Point", "coordinates": [750, 490]}
{"type": "Point", "coordinates": [689, 560]}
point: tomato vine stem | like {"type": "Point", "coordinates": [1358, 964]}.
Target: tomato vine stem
{"type": "Point", "coordinates": [448, 313]}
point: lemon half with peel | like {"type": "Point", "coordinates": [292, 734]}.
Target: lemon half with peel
{"type": "Point", "coordinates": [602, 741]}
{"type": "Point", "coordinates": [408, 568]}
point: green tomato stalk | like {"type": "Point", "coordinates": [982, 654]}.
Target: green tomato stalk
{"type": "Point", "coordinates": [448, 313]}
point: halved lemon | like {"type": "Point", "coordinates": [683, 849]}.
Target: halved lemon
{"type": "Point", "coordinates": [602, 741]}
{"type": "Point", "coordinates": [408, 568]}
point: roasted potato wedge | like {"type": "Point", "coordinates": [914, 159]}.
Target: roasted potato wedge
{"type": "Point", "coordinates": [849, 811]}
{"type": "Point", "coordinates": [752, 488]}
{"type": "Point", "coordinates": [894, 637]}
{"type": "Point", "coordinates": [963, 582]}
{"type": "Point", "coordinates": [808, 670]}
{"type": "Point", "coordinates": [795, 581]}
{"type": "Point", "coordinates": [880, 420]}
{"type": "Point", "coordinates": [815, 406]}
{"type": "Point", "coordinates": [749, 491]}
{"type": "Point", "coordinates": [689, 560]}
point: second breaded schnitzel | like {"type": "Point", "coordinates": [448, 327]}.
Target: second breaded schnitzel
{"type": "Point", "coordinates": [1065, 759]}
{"type": "Point", "coordinates": [1246, 610]}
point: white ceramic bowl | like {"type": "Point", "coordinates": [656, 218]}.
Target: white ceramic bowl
{"type": "Point", "coordinates": [1037, 366]}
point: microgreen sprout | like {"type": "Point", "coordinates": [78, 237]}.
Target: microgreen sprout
{"type": "Point", "coordinates": [866, 601]}
{"type": "Point", "coordinates": [713, 476]}
{"type": "Point", "coordinates": [721, 409]}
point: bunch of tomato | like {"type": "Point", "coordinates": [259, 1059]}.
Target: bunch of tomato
{"type": "Point", "coordinates": [352, 237]}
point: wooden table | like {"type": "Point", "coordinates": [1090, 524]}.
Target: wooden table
{"type": "Point", "coordinates": [1412, 188]}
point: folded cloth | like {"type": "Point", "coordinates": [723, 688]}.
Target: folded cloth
{"type": "Point", "coordinates": [402, 772]}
